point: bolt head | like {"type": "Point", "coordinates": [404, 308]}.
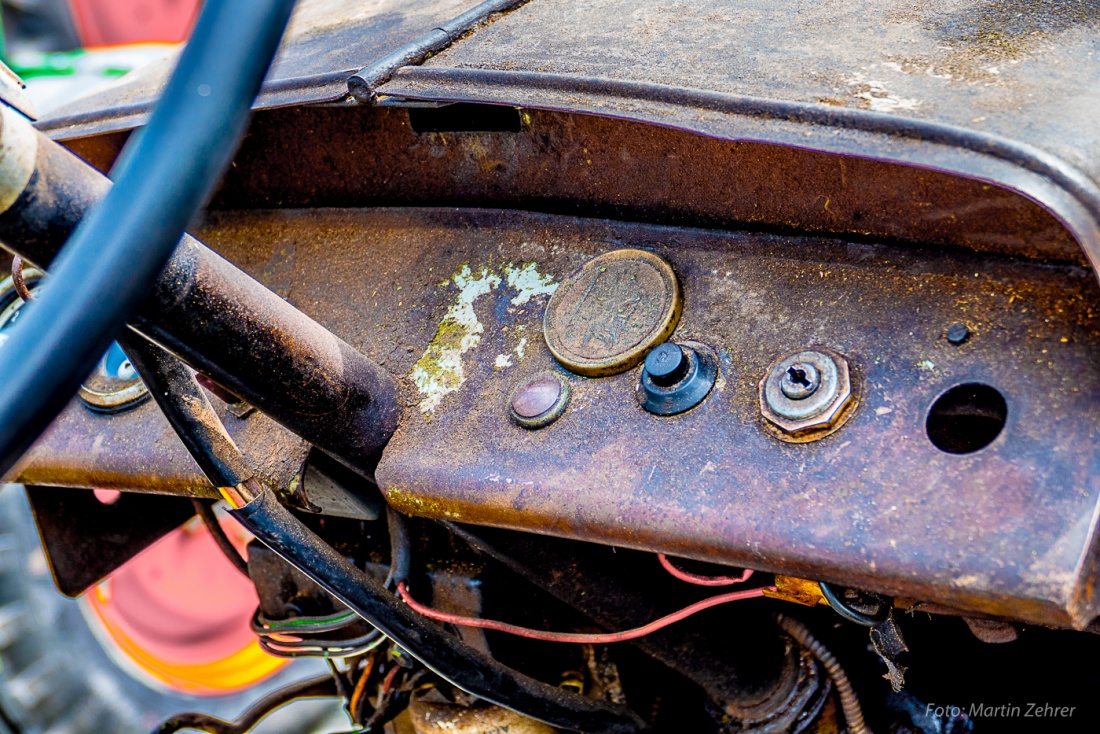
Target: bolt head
{"type": "Point", "coordinates": [957, 334]}
{"type": "Point", "coordinates": [807, 414]}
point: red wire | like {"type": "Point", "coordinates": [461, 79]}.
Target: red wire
{"type": "Point", "coordinates": [387, 684]}
{"type": "Point", "coordinates": [598, 639]}
{"type": "Point", "coordinates": [692, 578]}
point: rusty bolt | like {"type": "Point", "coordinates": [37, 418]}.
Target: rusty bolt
{"type": "Point", "coordinates": [806, 394]}
{"type": "Point", "coordinates": [539, 401]}
{"type": "Point", "coordinates": [957, 333]}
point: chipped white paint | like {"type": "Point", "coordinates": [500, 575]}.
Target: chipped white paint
{"type": "Point", "coordinates": [878, 97]}
{"type": "Point", "coordinates": [528, 282]}
{"type": "Point", "coordinates": [926, 364]}
{"type": "Point", "coordinates": [440, 370]}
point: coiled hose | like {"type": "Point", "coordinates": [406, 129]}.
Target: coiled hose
{"type": "Point", "coordinates": [849, 701]}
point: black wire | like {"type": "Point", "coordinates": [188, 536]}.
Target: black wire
{"type": "Point", "coordinates": [400, 550]}
{"type": "Point", "coordinates": [165, 174]}
{"type": "Point", "coordinates": [321, 687]}
{"type": "Point", "coordinates": [210, 520]}
{"type": "Point", "coordinates": [456, 662]}
{"type": "Point", "coordinates": [343, 687]}
{"type": "Point", "coordinates": [172, 383]}
{"type": "Point", "coordinates": [841, 608]}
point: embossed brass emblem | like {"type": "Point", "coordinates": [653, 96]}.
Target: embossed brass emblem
{"type": "Point", "coordinates": [607, 315]}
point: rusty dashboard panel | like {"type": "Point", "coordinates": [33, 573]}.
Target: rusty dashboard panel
{"type": "Point", "coordinates": [137, 450]}
{"type": "Point", "coordinates": [453, 300]}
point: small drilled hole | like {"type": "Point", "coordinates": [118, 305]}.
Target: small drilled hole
{"type": "Point", "coordinates": [966, 418]}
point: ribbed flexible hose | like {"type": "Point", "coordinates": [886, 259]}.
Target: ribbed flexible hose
{"type": "Point", "coordinates": [849, 702]}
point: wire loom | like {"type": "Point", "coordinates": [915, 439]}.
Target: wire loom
{"type": "Point", "coordinates": [191, 415]}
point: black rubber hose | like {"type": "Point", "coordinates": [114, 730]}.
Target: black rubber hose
{"type": "Point", "coordinates": [194, 419]}
{"type": "Point", "coordinates": [445, 655]}
{"type": "Point", "coordinates": [172, 383]}
{"type": "Point", "coordinates": [112, 260]}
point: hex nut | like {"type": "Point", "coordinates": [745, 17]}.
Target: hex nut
{"type": "Point", "coordinates": [820, 411]}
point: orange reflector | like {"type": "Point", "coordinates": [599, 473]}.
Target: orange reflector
{"type": "Point", "coordinates": [179, 614]}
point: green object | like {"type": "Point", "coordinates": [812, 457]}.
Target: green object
{"type": "Point", "coordinates": [55, 63]}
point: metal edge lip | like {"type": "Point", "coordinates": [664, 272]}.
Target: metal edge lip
{"type": "Point", "coordinates": [318, 89]}
{"type": "Point", "coordinates": [978, 155]}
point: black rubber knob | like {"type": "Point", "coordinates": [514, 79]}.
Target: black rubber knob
{"type": "Point", "coordinates": [666, 364]}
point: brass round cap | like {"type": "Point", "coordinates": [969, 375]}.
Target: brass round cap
{"type": "Point", "coordinates": [604, 318]}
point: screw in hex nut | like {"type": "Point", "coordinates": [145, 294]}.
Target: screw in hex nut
{"type": "Point", "coordinates": [539, 401]}
{"type": "Point", "coordinates": [957, 334]}
{"type": "Point", "coordinates": [807, 395]}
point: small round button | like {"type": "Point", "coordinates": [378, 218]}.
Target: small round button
{"type": "Point", "coordinates": [666, 364]}
{"type": "Point", "coordinates": [685, 375]}
{"type": "Point", "coordinates": [539, 401]}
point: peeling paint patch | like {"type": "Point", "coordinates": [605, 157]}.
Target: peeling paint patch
{"type": "Point", "coordinates": [876, 97]}
{"type": "Point", "coordinates": [440, 370]}
{"type": "Point", "coordinates": [528, 282]}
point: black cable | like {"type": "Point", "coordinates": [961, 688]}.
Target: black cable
{"type": "Point", "coordinates": [454, 661]}
{"type": "Point", "coordinates": [210, 520]}
{"type": "Point", "coordinates": [172, 383]}
{"type": "Point", "coordinates": [400, 550]}
{"type": "Point", "coordinates": [841, 608]}
{"type": "Point", "coordinates": [165, 174]}
{"type": "Point", "coordinates": [321, 687]}
{"type": "Point", "coordinates": [450, 658]}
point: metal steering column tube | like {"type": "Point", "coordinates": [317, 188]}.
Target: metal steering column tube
{"type": "Point", "coordinates": [207, 311]}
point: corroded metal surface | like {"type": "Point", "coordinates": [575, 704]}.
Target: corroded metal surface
{"type": "Point", "coordinates": [586, 165]}
{"type": "Point", "coordinates": [138, 450]}
{"type": "Point", "coordinates": [1004, 91]}
{"type": "Point", "coordinates": [429, 718]}
{"type": "Point", "coordinates": [1004, 530]}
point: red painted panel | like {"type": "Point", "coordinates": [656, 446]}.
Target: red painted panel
{"type": "Point", "coordinates": [113, 22]}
